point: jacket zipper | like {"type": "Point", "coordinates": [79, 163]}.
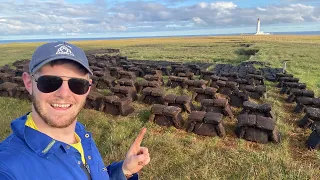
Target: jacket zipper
{"type": "Point", "coordinates": [86, 170]}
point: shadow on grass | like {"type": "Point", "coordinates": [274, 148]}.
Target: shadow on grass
{"type": "Point", "coordinates": [143, 115]}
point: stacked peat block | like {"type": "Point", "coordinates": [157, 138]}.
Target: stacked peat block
{"type": "Point", "coordinates": [311, 119]}
{"type": "Point", "coordinates": [18, 80]}
{"type": "Point", "coordinates": [95, 100]}
{"type": "Point", "coordinates": [195, 69]}
{"type": "Point", "coordinates": [237, 98]}
{"type": "Point", "coordinates": [21, 66]}
{"type": "Point", "coordinates": [206, 75]}
{"type": "Point", "coordinates": [227, 87]}
{"type": "Point", "coordinates": [257, 109]}
{"type": "Point", "coordinates": [255, 79]}
{"type": "Point", "coordinates": [125, 91]}
{"type": "Point", "coordinates": [175, 81]}
{"type": "Point", "coordinates": [97, 69]}
{"type": "Point", "coordinates": [101, 73]}
{"type": "Point", "coordinates": [166, 116]}
{"type": "Point", "coordinates": [242, 83]}
{"type": "Point", "coordinates": [296, 93]}
{"type": "Point", "coordinates": [271, 73]}
{"type": "Point", "coordinates": [152, 95]}
{"type": "Point", "coordinates": [137, 71]}
{"type": "Point", "coordinates": [174, 66]}
{"type": "Point", "coordinates": [188, 75]}
{"type": "Point", "coordinates": [191, 84]}
{"type": "Point", "coordinates": [105, 82]}
{"type": "Point", "coordinates": [6, 69]}
{"type": "Point", "coordinates": [9, 89]}
{"type": "Point", "coordinates": [126, 67]}
{"type": "Point", "coordinates": [94, 82]}
{"type": "Point", "coordinates": [313, 141]}
{"type": "Point", "coordinates": [22, 93]}
{"type": "Point", "coordinates": [206, 123]}
{"type": "Point", "coordinates": [145, 68]}
{"type": "Point", "coordinates": [126, 75]}
{"type": "Point", "coordinates": [156, 75]}
{"type": "Point", "coordinates": [282, 78]}
{"type": "Point", "coordinates": [5, 77]}
{"type": "Point", "coordinates": [239, 95]}
{"type": "Point", "coordinates": [220, 105]}
{"type": "Point", "coordinates": [295, 90]}
{"type": "Point", "coordinates": [255, 123]}
{"type": "Point", "coordinates": [117, 106]}
{"type": "Point", "coordinates": [214, 81]}
{"type": "Point", "coordinates": [114, 71]}
{"type": "Point", "coordinates": [125, 63]}
{"type": "Point", "coordinates": [230, 76]}
{"type": "Point", "coordinates": [183, 102]}
{"type": "Point", "coordinates": [19, 71]}
{"type": "Point", "coordinates": [255, 92]}
{"type": "Point", "coordinates": [281, 75]}
{"type": "Point", "coordinates": [207, 93]}
{"type": "Point", "coordinates": [288, 86]}
{"type": "Point", "coordinates": [103, 64]}
{"type": "Point", "coordinates": [180, 69]}
{"type": "Point", "coordinates": [165, 71]}
{"type": "Point", "coordinates": [144, 84]}
{"type": "Point", "coordinates": [128, 83]}
{"type": "Point", "coordinates": [303, 102]}
{"type": "Point", "coordinates": [242, 69]}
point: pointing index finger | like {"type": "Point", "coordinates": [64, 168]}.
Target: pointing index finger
{"type": "Point", "coordinates": [139, 138]}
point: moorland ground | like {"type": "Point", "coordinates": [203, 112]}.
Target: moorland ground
{"type": "Point", "coordinates": [176, 154]}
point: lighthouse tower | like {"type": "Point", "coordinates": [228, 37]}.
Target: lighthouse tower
{"type": "Point", "coordinates": [259, 32]}
{"type": "Point", "coordinates": [258, 27]}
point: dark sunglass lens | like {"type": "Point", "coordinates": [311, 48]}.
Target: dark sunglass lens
{"type": "Point", "coordinates": [48, 84]}
{"type": "Point", "coordinates": [78, 86]}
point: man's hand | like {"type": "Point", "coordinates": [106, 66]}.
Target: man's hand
{"type": "Point", "coordinates": [137, 156]}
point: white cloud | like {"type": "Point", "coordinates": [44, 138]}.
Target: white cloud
{"type": "Point", "coordinates": [198, 20]}
{"type": "Point", "coordinates": [202, 5]}
{"type": "Point", "coordinates": [223, 5]}
{"type": "Point", "coordinates": [261, 9]}
{"type": "Point", "coordinates": [126, 17]}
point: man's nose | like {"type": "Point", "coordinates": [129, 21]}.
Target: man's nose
{"type": "Point", "coordinates": [64, 90]}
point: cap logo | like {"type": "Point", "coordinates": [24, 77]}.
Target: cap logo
{"type": "Point", "coordinates": [64, 49]}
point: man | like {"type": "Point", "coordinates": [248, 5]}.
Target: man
{"type": "Point", "coordinates": [48, 142]}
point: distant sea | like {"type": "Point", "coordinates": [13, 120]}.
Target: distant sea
{"type": "Point", "coordinates": [3, 41]}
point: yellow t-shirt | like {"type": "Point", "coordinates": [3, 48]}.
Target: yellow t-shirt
{"type": "Point", "coordinates": [78, 146]}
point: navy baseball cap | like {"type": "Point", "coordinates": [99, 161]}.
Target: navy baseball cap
{"type": "Point", "coordinates": [57, 50]}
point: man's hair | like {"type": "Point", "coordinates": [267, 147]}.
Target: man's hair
{"type": "Point", "coordinates": [67, 61]}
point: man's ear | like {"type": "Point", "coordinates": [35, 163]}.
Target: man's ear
{"type": "Point", "coordinates": [27, 80]}
{"type": "Point", "coordinates": [90, 81]}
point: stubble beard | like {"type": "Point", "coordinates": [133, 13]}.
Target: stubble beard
{"type": "Point", "coordinates": [52, 121]}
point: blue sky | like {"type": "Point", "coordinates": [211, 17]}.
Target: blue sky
{"type": "Point", "coordinates": [22, 19]}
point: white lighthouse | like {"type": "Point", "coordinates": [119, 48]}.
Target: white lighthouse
{"type": "Point", "coordinates": [258, 29]}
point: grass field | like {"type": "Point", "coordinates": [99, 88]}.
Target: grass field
{"type": "Point", "coordinates": [176, 154]}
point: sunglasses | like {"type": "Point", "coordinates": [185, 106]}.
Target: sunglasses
{"type": "Point", "coordinates": [48, 84]}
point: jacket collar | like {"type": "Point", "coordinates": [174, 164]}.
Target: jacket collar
{"type": "Point", "coordinates": [40, 143]}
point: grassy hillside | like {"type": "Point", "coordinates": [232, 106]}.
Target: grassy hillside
{"type": "Point", "coordinates": [176, 154]}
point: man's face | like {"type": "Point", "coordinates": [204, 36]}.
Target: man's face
{"type": "Point", "coordinates": [58, 109]}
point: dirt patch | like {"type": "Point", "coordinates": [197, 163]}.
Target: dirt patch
{"type": "Point", "coordinates": [247, 52]}
{"type": "Point", "coordinates": [245, 45]}
{"type": "Point", "coordinates": [102, 51]}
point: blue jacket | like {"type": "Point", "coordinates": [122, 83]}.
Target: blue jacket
{"type": "Point", "coordinates": [30, 154]}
